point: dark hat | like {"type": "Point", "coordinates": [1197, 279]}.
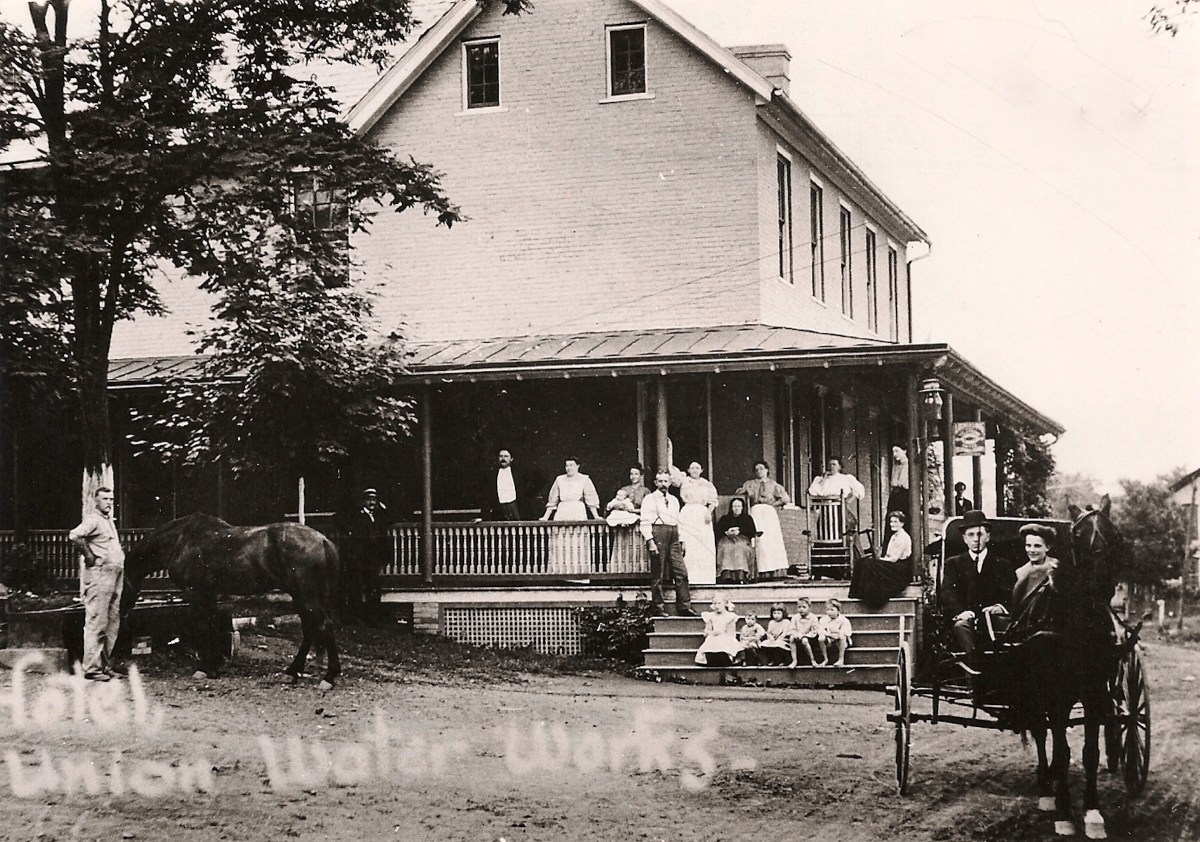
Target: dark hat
{"type": "Point", "coordinates": [973, 518]}
{"type": "Point", "coordinates": [370, 492]}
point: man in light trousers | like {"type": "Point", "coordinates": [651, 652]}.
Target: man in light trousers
{"type": "Point", "coordinates": [101, 577]}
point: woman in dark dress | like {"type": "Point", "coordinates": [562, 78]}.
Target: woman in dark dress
{"type": "Point", "coordinates": [876, 580]}
{"type": "Point", "coordinates": [735, 534]}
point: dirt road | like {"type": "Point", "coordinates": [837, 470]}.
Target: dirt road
{"type": "Point", "coordinates": [397, 753]}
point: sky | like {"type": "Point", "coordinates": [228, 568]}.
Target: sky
{"type": "Point", "coordinates": [1051, 151]}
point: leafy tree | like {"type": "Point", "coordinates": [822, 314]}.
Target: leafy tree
{"type": "Point", "coordinates": [170, 134]}
{"type": "Point", "coordinates": [1027, 465]}
{"type": "Point", "coordinates": [1066, 489]}
{"type": "Point", "coordinates": [1154, 527]}
{"type": "Point", "coordinates": [1170, 17]}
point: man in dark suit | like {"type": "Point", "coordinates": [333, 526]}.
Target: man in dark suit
{"type": "Point", "coordinates": [962, 504]}
{"type": "Point", "coordinates": [364, 537]}
{"type": "Point", "coordinates": [501, 490]}
{"type": "Point", "coordinates": [975, 583]}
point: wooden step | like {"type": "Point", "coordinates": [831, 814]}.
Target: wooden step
{"type": "Point", "coordinates": [864, 622]}
{"type": "Point", "coordinates": [855, 656]}
{"type": "Point", "coordinates": [762, 607]}
{"type": "Point", "coordinates": [873, 677]}
{"type": "Point", "coordinates": [692, 638]}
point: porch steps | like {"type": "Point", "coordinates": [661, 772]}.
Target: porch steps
{"type": "Point", "coordinates": [870, 662]}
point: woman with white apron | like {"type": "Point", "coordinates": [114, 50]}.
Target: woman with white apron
{"type": "Point", "coordinates": [766, 498]}
{"type": "Point", "coordinates": [572, 497]}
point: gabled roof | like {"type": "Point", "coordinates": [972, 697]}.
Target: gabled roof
{"type": "Point", "coordinates": [398, 78]}
{"type": "Point", "coordinates": [1184, 481]}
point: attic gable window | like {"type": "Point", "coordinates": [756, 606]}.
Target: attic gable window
{"type": "Point", "coordinates": [627, 60]}
{"type": "Point", "coordinates": [481, 73]}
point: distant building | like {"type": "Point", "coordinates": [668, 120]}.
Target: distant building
{"type": "Point", "coordinates": [1186, 492]}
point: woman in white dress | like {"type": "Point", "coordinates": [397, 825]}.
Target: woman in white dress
{"type": "Point", "coordinates": [766, 498]}
{"type": "Point", "coordinates": [572, 497]}
{"type": "Point", "coordinates": [699, 498]}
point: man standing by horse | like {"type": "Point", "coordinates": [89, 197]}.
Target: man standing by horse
{"type": "Point", "coordinates": [976, 584]}
{"type": "Point", "coordinates": [363, 540]}
{"type": "Point", "coordinates": [101, 576]}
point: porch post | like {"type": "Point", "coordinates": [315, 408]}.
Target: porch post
{"type": "Point", "coordinates": [977, 470]}
{"type": "Point", "coordinates": [999, 477]}
{"type": "Point", "coordinates": [916, 469]}
{"type": "Point", "coordinates": [660, 423]}
{"type": "Point", "coordinates": [789, 446]}
{"type": "Point", "coordinates": [948, 455]}
{"type": "Point", "coordinates": [427, 486]}
{"type": "Point", "coordinates": [823, 429]}
{"type": "Point", "coordinates": [708, 419]}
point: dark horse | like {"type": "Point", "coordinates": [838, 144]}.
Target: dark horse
{"type": "Point", "coordinates": [207, 557]}
{"type": "Point", "coordinates": [1066, 646]}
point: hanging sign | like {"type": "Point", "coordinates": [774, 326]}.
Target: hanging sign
{"type": "Point", "coordinates": [970, 438]}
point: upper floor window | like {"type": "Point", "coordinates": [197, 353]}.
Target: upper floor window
{"type": "Point", "coordinates": [322, 210]}
{"type": "Point", "coordinates": [783, 169]}
{"type": "Point", "coordinates": [627, 60]}
{"type": "Point", "coordinates": [846, 264]}
{"type": "Point", "coordinates": [481, 73]}
{"type": "Point", "coordinates": [894, 294]}
{"type": "Point", "coordinates": [872, 283]}
{"type": "Point", "coordinates": [816, 202]}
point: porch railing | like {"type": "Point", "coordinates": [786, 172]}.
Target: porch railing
{"type": "Point", "coordinates": [518, 549]}
{"type": "Point", "coordinates": [55, 552]}
{"type": "Point", "coordinates": [564, 549]}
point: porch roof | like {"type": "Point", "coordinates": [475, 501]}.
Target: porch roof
{"type": "Point", "coordinates": [631, 352]}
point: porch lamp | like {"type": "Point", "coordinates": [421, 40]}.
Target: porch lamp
{"type": "Point", "coordinates": [931, 398]}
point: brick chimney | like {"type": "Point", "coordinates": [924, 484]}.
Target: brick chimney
{"type": "Point", "coordinates": [767, 60]}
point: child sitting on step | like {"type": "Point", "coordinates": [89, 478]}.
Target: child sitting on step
{"type": "Point", "coordinates": [806, 631]}
{"type": "Point", "coordinates": [834, 634]}
{"type": "Point", "coordinates": [750, 637]}
{"type": "Point", "coordinates": [720, 644]}
{"type": "Point", "coordinates": [776, 648]}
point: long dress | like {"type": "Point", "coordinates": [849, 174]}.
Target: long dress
{"type": "Point", "coordinates": [876, 580]}
{"type": "Point", "coordinates": [720, 631]}
{"type": "Point", "coordinates": [696, 531]}
{"type": "Point", "coordinates": [736, 552]}
{"type": "Point", "coordinates": [766, 498]}
{"type": "Point", "coordinates": [569, 550]}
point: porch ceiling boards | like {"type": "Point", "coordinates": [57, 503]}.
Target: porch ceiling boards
{"type": "Point", "coordinates": [630, 352]}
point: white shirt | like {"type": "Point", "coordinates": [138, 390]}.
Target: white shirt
{"type": "Point", "coordinates": [659, 507]}
{"type": "Point", "coordinates": [979, 560]}
{"type": "Point", "coordinates": [506, 489]}
{"type": "Point", "coordinates": [838, 485]}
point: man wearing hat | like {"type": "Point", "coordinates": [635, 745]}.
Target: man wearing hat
{"type": "Point", "coordinates": [363, 541]}
{"type": "Point", "coordinates": [975, 583]}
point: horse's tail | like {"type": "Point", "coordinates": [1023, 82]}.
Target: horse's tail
{"type": "Point", "coordinates": [333, 561]}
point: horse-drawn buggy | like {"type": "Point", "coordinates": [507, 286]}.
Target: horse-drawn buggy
{"type": "Point", "coordinates": [1057, 656]}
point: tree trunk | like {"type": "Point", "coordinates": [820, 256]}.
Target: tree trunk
{"type": "Point", "coordinates": [97, 447]}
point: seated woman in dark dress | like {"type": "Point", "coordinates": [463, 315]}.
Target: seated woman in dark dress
{"type": "Point", "coordinates": [876, 580]}
{"type": "Point", "coordinates": [735, 534]}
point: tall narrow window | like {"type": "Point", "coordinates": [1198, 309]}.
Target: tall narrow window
{"type": "Point", "coordinates": [872, 284]}
{"type": "Point", "coordinates": [325, 212]}
{"type": "Point", "coordinates": [847, 266]}
{"type": "Point", "coordinates": [481, 62]}
{"type": "Point", "coordinates": [816, 202]}
{"type": "Point", "coordinates": [783, 169]}
{"type": "Point", "coordinates": [894, 294]}
{"type": "Point", "coordinates": [627, 60]}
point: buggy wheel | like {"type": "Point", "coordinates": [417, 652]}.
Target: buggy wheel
{"type": "Point", "coordinates": [1135, 714]}
{"type": "Point", "coordinates": [902, 718]}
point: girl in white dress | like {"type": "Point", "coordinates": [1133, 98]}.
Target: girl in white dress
{"type": "Point", "coordinates": [766, 498]}
{"type": "Point", "coordinates": [699, 498]}
{"type": "Point", "coordinates": [720, 644]}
